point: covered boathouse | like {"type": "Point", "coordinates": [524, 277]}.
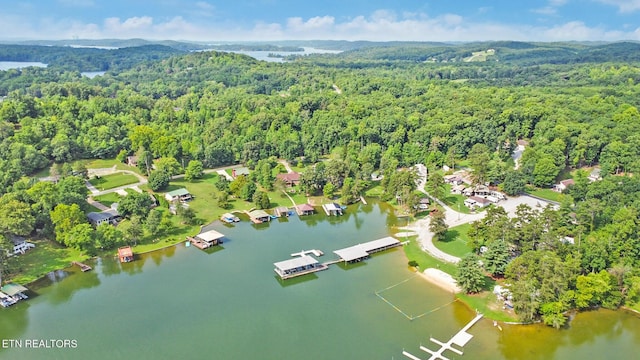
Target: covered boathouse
{"type": "Point", "coordinates": [206, 239]}
{"type": "Point", "coordinates": [332, 209]}
{"type": "Point", "coordinates": [259, 216]}
{"type": "Point", "coordinates": [304, 209]}
{"type": "Point", "coordinates": [125, 254]}
{"type": "Point", "coordinates": [298, 266]}
{"type": "Point", "coordinates": [360, 252]}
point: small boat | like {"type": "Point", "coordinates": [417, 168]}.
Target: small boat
{"type": "Point", "coordinates": [187, 243]}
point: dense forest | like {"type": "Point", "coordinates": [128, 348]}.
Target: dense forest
{"type": "Point", "coordinates": [375, 113]}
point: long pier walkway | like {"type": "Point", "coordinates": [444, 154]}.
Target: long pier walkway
{"type": "Point", "coordinates": [83, 267]}
{"type": "Point", "coordinates": [460, 339]}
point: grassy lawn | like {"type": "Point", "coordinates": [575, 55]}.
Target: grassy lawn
{"type": "Point", "coordinates": [376, 190]}
{"type": "Point", "coordinates": [107, 163]}
{"type": "Point", "coordinates": [46, 257]}
{"type": "Point", "coordinates": [455, 241]}
{"type": "Point", "coordinates": [484, 302]}
{"type": "Point", "coordinates": [91, 208]}
{"type": "Point", "coordinates": [112, 181]}
{"type": "Point", "coordinates": [487, 304]}
{"type": "Point", "coordinates": [545, 194]}
{"type": "Point", "coordinates": [107, 199]}
{"type": "Point", "coordinates": [424, 260]}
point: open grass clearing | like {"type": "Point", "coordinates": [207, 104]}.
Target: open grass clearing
{"type": "Point", "coordinates": [113, 181]}
{"type": "Point", "coordinates": [455, 241]}
{"type": "Point", "coordinates": [47, 256]}
{"type": "Point", "coordinates": [107, 199]}
{"type": "Point", "coordinates": [546, 194]}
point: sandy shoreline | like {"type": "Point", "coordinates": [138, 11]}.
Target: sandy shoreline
{"type": "Point", "coordinates": [441, 279]}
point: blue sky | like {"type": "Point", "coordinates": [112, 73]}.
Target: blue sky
{"type": "Point", "coordinates": [213, 20]}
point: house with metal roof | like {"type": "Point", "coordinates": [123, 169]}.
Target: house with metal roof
{"type": "Point", "coordinates": [181, 195]}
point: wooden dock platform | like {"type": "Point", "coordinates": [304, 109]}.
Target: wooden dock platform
{"type": "Point", "coordinates": [83, 267]}
{"type": "Point", "coordinates": [305, 252]}
{"type": "Point", "coordinates": [461, 339]}
{"type": "Point", "coordinates": [198, 243]}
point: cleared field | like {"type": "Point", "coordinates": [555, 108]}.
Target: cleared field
{"type": "Point", "coordinates": [113, 181]}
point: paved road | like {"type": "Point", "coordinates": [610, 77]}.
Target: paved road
{"type": "Point", "coordinates": [454, 218]}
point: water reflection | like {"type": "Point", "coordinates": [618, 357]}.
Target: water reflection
{"type": "Point", "coordinates": [295, 280]}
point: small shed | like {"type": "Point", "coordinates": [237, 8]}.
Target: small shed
{"type": "Point", "coordinates": [125, 254]}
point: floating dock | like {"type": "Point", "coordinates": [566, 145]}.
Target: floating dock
{"type": "Point", "coordinates": [305, 252]}
{"type": "Point", "coordinates": [298, 266]}
{"type": "Point", "coordinates": [229, 218]}
{"type": "Point", "coordinates": [332, 209]}
{"type": "Point", "coordinates": [83, 267]}
{"type": "Point", "coordinates": [360, 252]}
{"type": "Point", "coordinates": [460, 339]}
{"type": "Point", "coordinates": [303, 264]}
{"type": "Point", "coordinates": [206, 239]}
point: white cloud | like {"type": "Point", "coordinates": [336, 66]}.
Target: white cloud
{"type": "Point", "coordinates": [382, 25]}
{"type": "Point", "coordinates": [203, 5]}
{"type": "Point", "coordinates": [551, 8]}
{"type": "Point", "coordinates": [77, 3]}
{"type": "Point", "coordinates": [547, 10]}
{"type": "Point", "coordinates": [624, 6]}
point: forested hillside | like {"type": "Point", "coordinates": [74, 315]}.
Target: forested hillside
{"type": "Point", "coordinates": [377, 113]}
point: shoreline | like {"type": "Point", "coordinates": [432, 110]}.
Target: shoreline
{"type": "Point", "coordinates": [441, 279]}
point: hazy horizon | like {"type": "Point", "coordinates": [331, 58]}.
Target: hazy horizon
{"type": "Point", "coordinates": [357, 20]}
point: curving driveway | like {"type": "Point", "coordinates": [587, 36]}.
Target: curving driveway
{"type": "Point", "coordinates": [454, 218]}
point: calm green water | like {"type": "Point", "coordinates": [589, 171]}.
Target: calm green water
{"type": "Point", "coordinates": [228, 304]}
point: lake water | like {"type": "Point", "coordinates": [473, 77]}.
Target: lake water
{"type": "Point", "coordinates": [264, 55]}
{"type": "Point", "coordinates": [92, 74]}
{"type": "Point", "coordinates": [229, 304]}
{"type": "Point", "coordinates": [7, 65]}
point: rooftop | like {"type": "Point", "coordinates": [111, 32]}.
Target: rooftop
{"type": "Point", "coordinates": [295, 263]}
{"type": "Point", "coordinates": [13, 289]}
{"type": "Point", "coordinates": [258, 214]}
{"type": "Point", "coordinates": [125, 251]}
{"type": "Point", "coordinates": [178, 192]}
{"type": "Point", "coordinates": [305, 207]}
{"type": "Point", "coordinates": [210, 235]}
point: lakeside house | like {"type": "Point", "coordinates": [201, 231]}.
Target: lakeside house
{"type": "Point", "coordinates": [291, 179]}
{"type": "Point", "coordinates": [475, 202]}
{"type": "Point", "coordinates": [563, 185]}
{"type": "Point", "coordinates": [110, 216]}
{"type": "Point", "coordinates": [423, 204]}
{"type": "Point", "coordinates": [181, 195]}
{"type": "Point", "coordinates": [20, 245]}
{"type": "Point", "coordinates": [125, 254]}
{"type": "Point", "coordinates": [132, 160]}
{"type": "Point", "coordinates": [241, 171]}
{"type": "Point", "coordinates": [595, 174]}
